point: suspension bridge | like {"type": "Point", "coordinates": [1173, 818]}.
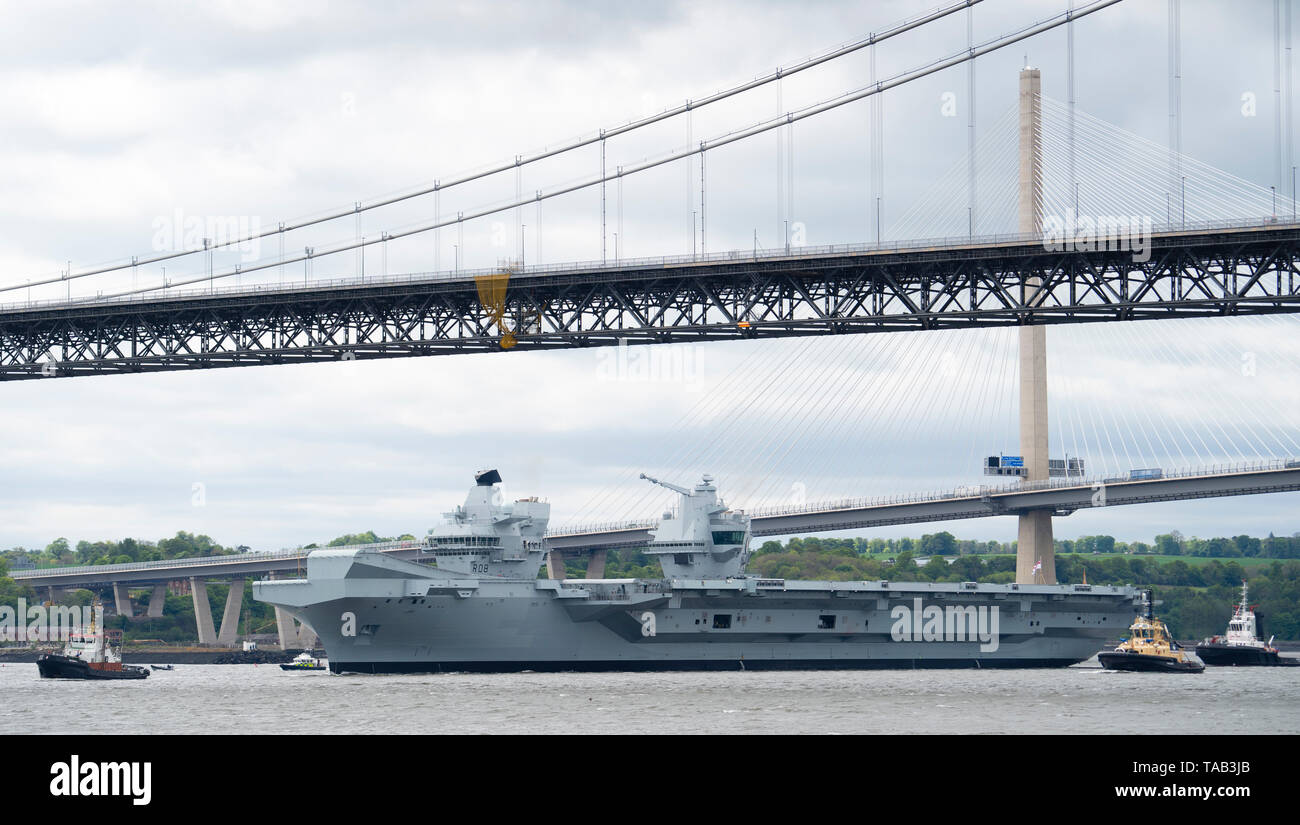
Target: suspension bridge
{"type": "Point", "coordinates": [1052, 217]}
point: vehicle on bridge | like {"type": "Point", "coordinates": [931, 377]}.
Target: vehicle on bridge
{"type": "Point", "coordinates": [470, 600]}
{"type": "Point", "coordinates": [1152, 474]}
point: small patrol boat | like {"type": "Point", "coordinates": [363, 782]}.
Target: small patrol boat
{"type": "Point", "coordinates": [90, 654]}
{"type": "Point", "coordinates": [1241, 646]}
{"type": "Point", "coordinates": [304, 661]}
{"type": "Point", "coordinates": [1149, 647]}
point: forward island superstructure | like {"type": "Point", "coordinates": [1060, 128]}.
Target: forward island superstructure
{"type": "Point", "coordinates": [470, 600]}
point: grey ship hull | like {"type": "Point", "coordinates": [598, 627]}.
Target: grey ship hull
{"type": "Point", "coordinates": [377, 614]}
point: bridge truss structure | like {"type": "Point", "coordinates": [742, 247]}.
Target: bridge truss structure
{"type": "Point", "coordinates": [1210, 270]}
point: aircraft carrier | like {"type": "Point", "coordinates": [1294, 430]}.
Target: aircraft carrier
{"type": "Point", "coordinates": [470, 600]}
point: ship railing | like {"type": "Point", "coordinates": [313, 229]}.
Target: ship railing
{"type": "Point", "coordinates": [601, 527]}
{"type": "Point", "coordinates": [935, 244]}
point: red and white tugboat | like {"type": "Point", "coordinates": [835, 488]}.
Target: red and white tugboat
{"type": "Point", "coordinates": [90, 654]}
{"type": "Point", "coordinates": [1241, 646]}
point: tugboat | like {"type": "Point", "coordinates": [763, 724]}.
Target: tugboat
{"type": "Point", "coordinates": [304, 661]}
{"type": "Point", "coordinates": [1149, 647]}
{"type": "Point", "coordinates": [1241, 647]}
{"type": "Point", "coordinates": [90, 655]}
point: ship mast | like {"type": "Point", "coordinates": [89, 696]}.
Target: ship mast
{"type": "Point", "coordinates": [665, 484]}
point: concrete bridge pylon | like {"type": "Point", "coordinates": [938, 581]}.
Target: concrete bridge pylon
{"type": "Point", "coordinates": [1035, 553]}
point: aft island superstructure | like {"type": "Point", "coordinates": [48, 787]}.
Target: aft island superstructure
{"type": "Point", "coordinates": [470, 600]}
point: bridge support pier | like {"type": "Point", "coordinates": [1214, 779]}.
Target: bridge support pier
{"type": "Point", "coordinates": [122, 600]}
{"type": "Point", "coordinates": [290, 635]}
{"type": "Point", "coordinates": [230, 616]}
{"type": "Point", "coordinates": [157, 600]}
{"type": "Point", "coordinates": [202, 611]}
{"type": "Point", "coordinates": [307, 637]}
{"type": "Point", "coordinates": [1035, 553]}
{"type": "Point", "coordinates": [285, 630]}
{"type": "Point", "coordinates": [1035, 548]}
{"type": "Point", "coordinates": [596, 565]}
{"type": "Point", "coordinates": [555, 565]}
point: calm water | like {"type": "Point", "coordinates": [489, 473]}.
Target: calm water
{"type": "Point", "coordinates": [265, 699]}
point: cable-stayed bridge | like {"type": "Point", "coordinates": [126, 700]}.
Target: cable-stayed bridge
{"type": "Point", "coordinates": [1052, 217]}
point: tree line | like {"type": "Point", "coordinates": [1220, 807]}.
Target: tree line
{"type": "Point", "coordinates": [188, 545]}
{"type": "Point", "coordinates": [60, 553]}
{"type": "Point", "coordinates": [1172, 543]}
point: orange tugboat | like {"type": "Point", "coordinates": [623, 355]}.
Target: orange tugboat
{"type": "Point", "coordinates": [1149, 647]}
{"type": "Point", "coordinates": [90, 654]}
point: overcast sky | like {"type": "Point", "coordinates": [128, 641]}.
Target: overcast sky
{"type": "Point", "coordinates": [123, 121]}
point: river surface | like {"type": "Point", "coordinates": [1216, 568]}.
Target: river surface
{"type": "Point", "coordinates": [265, 699]}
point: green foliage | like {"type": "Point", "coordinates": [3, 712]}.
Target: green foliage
{"type": "Point", "coordinates": [11, 591]}
{"type": "Point", "coordinates": [186, 545]}
{"type": "Point", "coordinates": [939, 544]}
{"type": "Point", "coordinates": [817, 564]}
{"type": "Point", "coordinates": [367, 537]}
{"type": "Point", "coordinates": [904, 568]}
{"type": "Point", "coordinates": [769, 547]}
{"type": "Point", "coordinates": [77, 598]}
{"type": "Point", "coordinates": [59, 553]}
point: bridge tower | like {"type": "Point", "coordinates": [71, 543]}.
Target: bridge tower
{"type": "Point", "coordinates": [1035, 554]}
